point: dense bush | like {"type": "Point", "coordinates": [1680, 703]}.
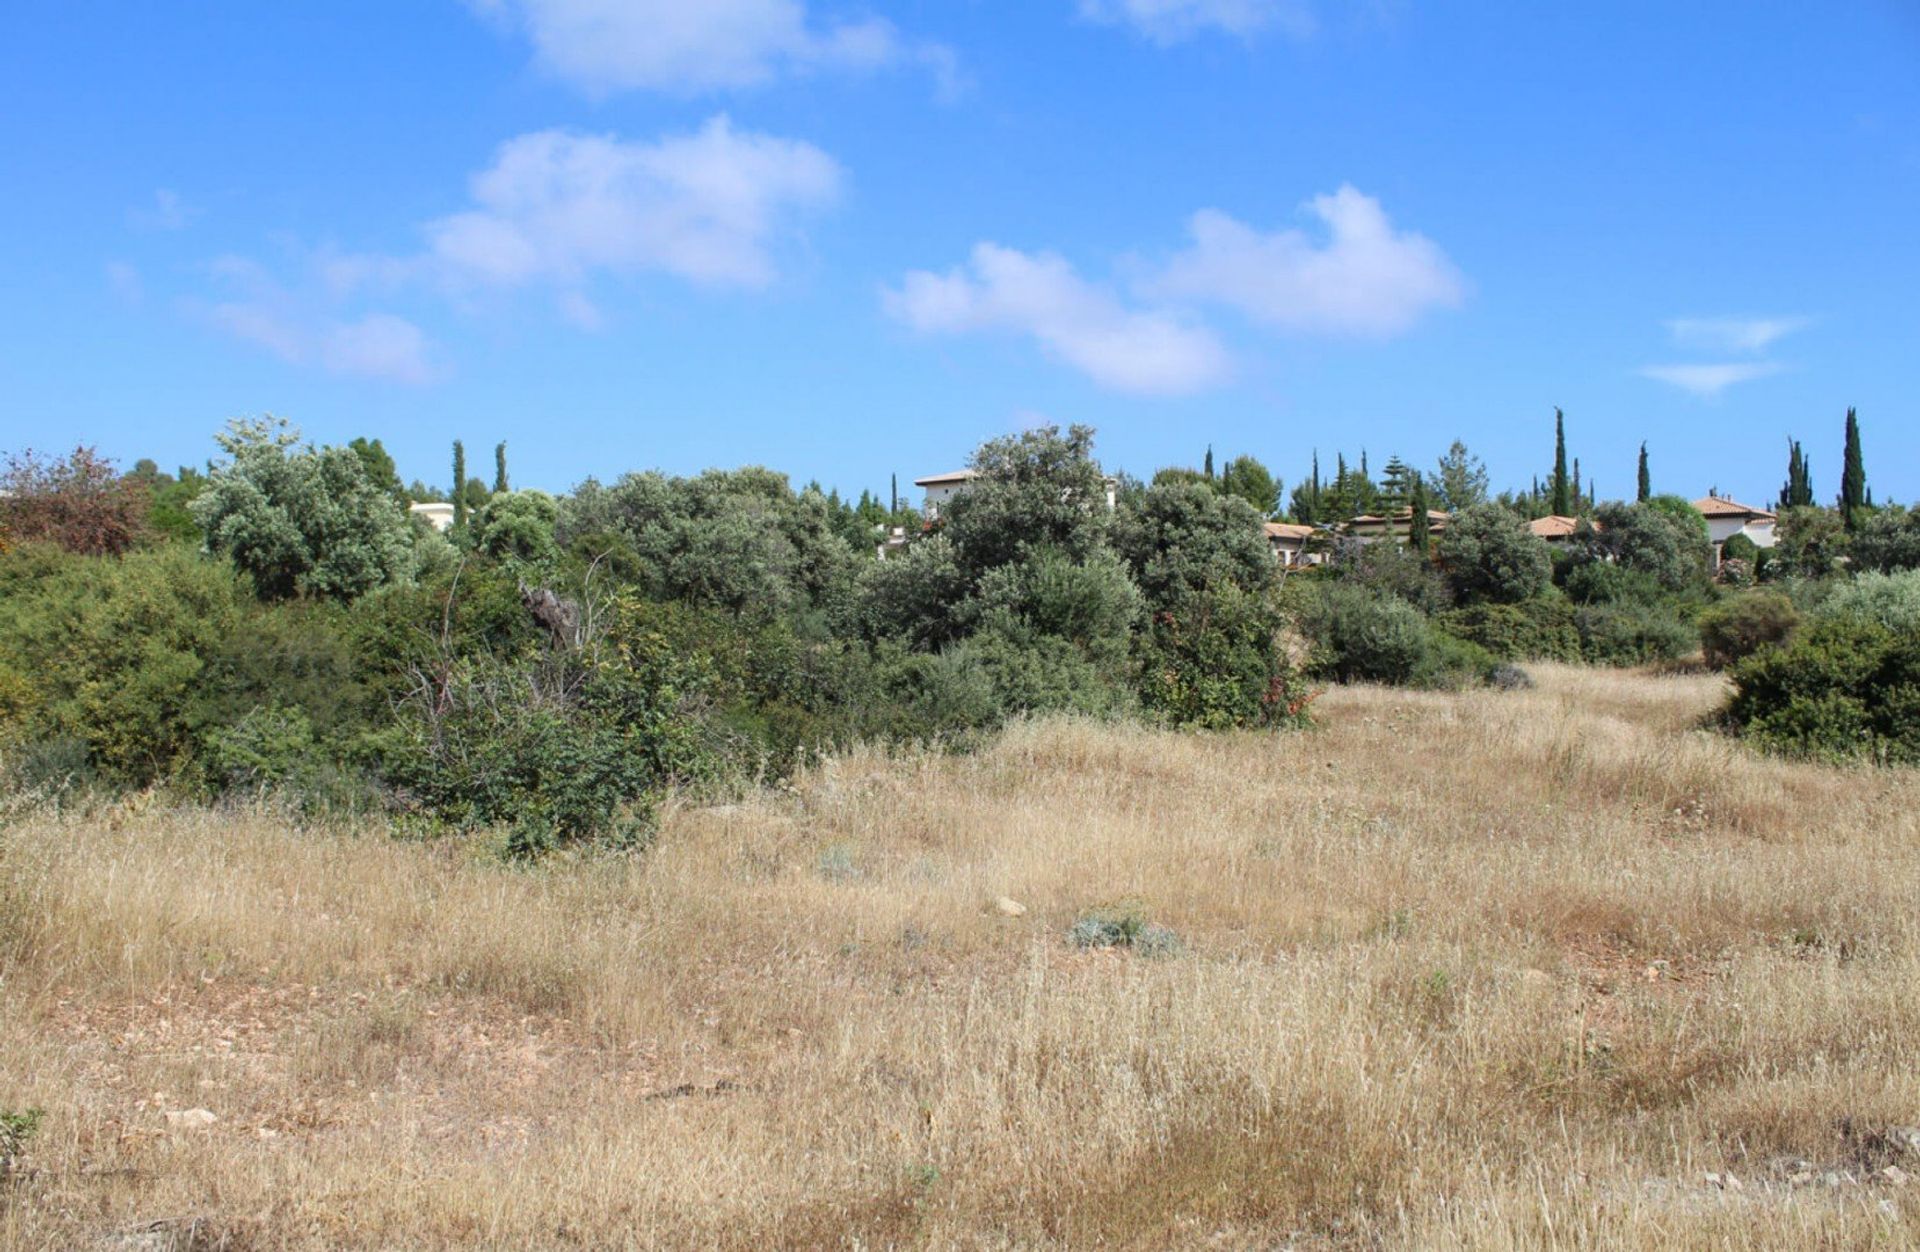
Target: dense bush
{"type": "Point", "coordinates": [1537, 629]}
{"type": "Point", "coordinates": [1892, 600]}
{"type": "Point", "coordinates": [1737, 628]}
{"type": "Point", "coordinates": [1888, 541]}
{"type": "Point", "coordinates": [1214, 661]}
{"type": "Point", "coordinates": [1361, 635]}
{"type": "Point", "coordinates": [302, 521]}
{"type": "Point", "coordinates": [1632, 633]}
{"type": "Point", "coordinates": [1664, 540]}
{"type": "Point", "coordinates": [1489, 555]}
{"type": "Point", "coordinates": [76, 502]}
{"type": "Point", "coordinates": [1847, 687]}
{"type": "Point", "coordinates": [113, 652]}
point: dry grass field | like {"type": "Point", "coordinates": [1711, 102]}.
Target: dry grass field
{"type": "Point", "coordinates": [1550, 968]}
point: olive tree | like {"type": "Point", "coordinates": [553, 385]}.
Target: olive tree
{"type": "Point", "coordinates": [301, 520]}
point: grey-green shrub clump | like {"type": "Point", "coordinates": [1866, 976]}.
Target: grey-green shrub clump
{"type": "Point", "coordinates": [300, 520]}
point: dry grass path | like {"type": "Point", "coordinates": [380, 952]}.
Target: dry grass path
{"type": "Point", "coordinates": [1549, 968]}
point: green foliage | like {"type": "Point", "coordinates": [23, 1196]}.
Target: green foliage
{"type": "Point", "coordinates": [569, 746]}
{"type": "Point", "coordinates": [1891, 600]}
{"type": "Point", "coordinates": [116, 650]}
{"type": "Point", "coordinates": [1214, 661]}
{"type": "Point", "coordinates": [1180, 539]}
{"type": "Point", "coordinates": [1737, 628]}
{"type": "Point", "coordinates": [1652, 539]}
{"type": "Point", "coordinates": [1810, 542]}
{"type": "Point", "coordinates": [1460, 480]}
{"type": "Point", "coordinates": [1388, 567]}
{"type": "Point", "coordinates": [1739, 548]}
{"type": "Point", "coordinates": [1644, 489]}
{"type": "Point", "coordinates": [1361, 635]}
{"type": "Point", "coordinates": [1246, 478]}
{"type": "Point", "coordinates": [1489, 555]}
{"type": "Point", "coordinates": [1797, 493]}
{"type": "Point", "coordinates": [1632, 632]}
{"type": "Point", "coordinates": [519, 526]}
{"type": "Point", "coordinates": [171, 514]}
{"type": "Point", "coordinates": [1888, 540]}
{"type": "Point", "coordinates": [1847, 687]}
{"type": "Point", "coordinates": [739, 540]}
{"type": "Point", "coordinates": [1561, 486]}
{"type": "Point", "coordinates": [1040, 489]}
{"type": "Point", "coordinates": [16, 1129]}
{"type": "Point", "coordinates": [302, 520]}
{"type": "Point", "coordinates": [379, 466]}
{"type": "Point", "coordinates": [1536, 629]}
{"type": "Point", "coordinates": [1853, 477]}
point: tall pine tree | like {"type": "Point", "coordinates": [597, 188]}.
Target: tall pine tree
{"type": "Point", "coordinates": [1646, 479]}
{"type": "Point", "coordinates": [1209, 463]}
{"type": "Point", "coordinates": [1562, 504]}
{"type": "Point", "coordinates": [1853, 478]}
{"type": "Point", "coordinates": [500, 468]}
{"type": "Point", "coordinates": [459, 485]}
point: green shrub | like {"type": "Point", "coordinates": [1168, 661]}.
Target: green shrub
{"type": "Point", "coordinates": [1846, 687]}
{"type": "Point", "coordinates": [1363, 636]}
{"type": "Point", "coordinates": [1215, 661]}
{"type": "Point", "coordinates": [1536, 629]}
{"type": "Point", "coordinates": [1739, 548]}
{"type": "Point", "coordinates": [1893, 600]}
{"type": "Point", "coordinates": [1489, 554]}
{"type": "Point", "coordinates": [1735, 629]}
{"type": "Point", "coordinates": [1632, 633]}
{"type": "Point", "coordinates": [1888, 540]}
{"type": "Point", "coordinates": [116, 650]}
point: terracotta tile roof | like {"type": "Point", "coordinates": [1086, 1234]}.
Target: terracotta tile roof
{"type": "Point", "coordinates": [1554, 526]}
{"type": "Point", "coordinates": [1720, 506]}
{"type": "Point", "coordinates": [1288, 530]}
{"type": "Point", "coordinates": [941, 480]}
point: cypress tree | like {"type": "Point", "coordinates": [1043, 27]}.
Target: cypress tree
{"type": "Point", "coordinates": [1208, 469]}
{"type": "Point", "coordinates": [1853, 477]}
{"type": "Point", "coordinates": [1417, 537]}
{"type": "Point", "coordinates": [1576, 484]}
{"type": "Point", "coordinates": [459, 485]}
{"type": "Point", "coordinates": [1562, 501]}
{"type": "Point", "coordinates": [893, 494]}
{"type": "Point", "coordinates": [1798, 491]}
{"type": "Point", "coordinates": [500, 468]}
{"type": "Point", "coordinates": [1646, 479]}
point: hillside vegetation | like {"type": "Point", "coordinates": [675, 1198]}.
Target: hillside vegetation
{"type": "Point", "coordinates": [1550, 967]}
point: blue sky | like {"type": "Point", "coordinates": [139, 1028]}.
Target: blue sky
{"type": "Point", "coordinates": [847, 240]}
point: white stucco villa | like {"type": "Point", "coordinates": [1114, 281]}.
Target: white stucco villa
{"type": "Point", "coordinates": [438, 513]}
{"type": "Point", "coordinates": [941, 488]}
{"type": "Point", "coordinates": [1727, 518]}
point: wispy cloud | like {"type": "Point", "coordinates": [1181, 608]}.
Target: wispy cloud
{"type": "Point", "coordinates": [1170, 21]}
{"type": "Point", "coordinates": [1708, 381]}
{"type": "Point", "coordinates": [1737, 336]}
{"type": "Point", "coordinates": [1733, 334]}
{"type": "Point", "coordinates": [302, 330]}
{"type": "Point", "coordinates": [687, 47]}
{"type": "Point", "coordinates": [166, 211]}
{"type": "Point", "coordinates": [1085, 325]}
{"type": "Point", "coordinates": [123, 280]}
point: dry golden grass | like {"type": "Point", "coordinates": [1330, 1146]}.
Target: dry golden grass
{"type": "Point", "coordinates": [1484, 970]}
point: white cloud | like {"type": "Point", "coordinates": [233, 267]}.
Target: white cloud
{"type": "Point", "coordinates": [1733, 334]}
{"type": "Point", "coordinates": [556, 207]}
{"type": "Point", "coordinates": [1147, 351]}
{"type": "Point", "coordinates": [167, 212]}
{"type": "Point", "coordinates": [689, 46]}
{"type": "Point", "coordinates": [1169, 21]}
{"type": "Point", "coordinates": [1708, 381]}
{"type": "Point", "coordinates": [1366, 279]}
